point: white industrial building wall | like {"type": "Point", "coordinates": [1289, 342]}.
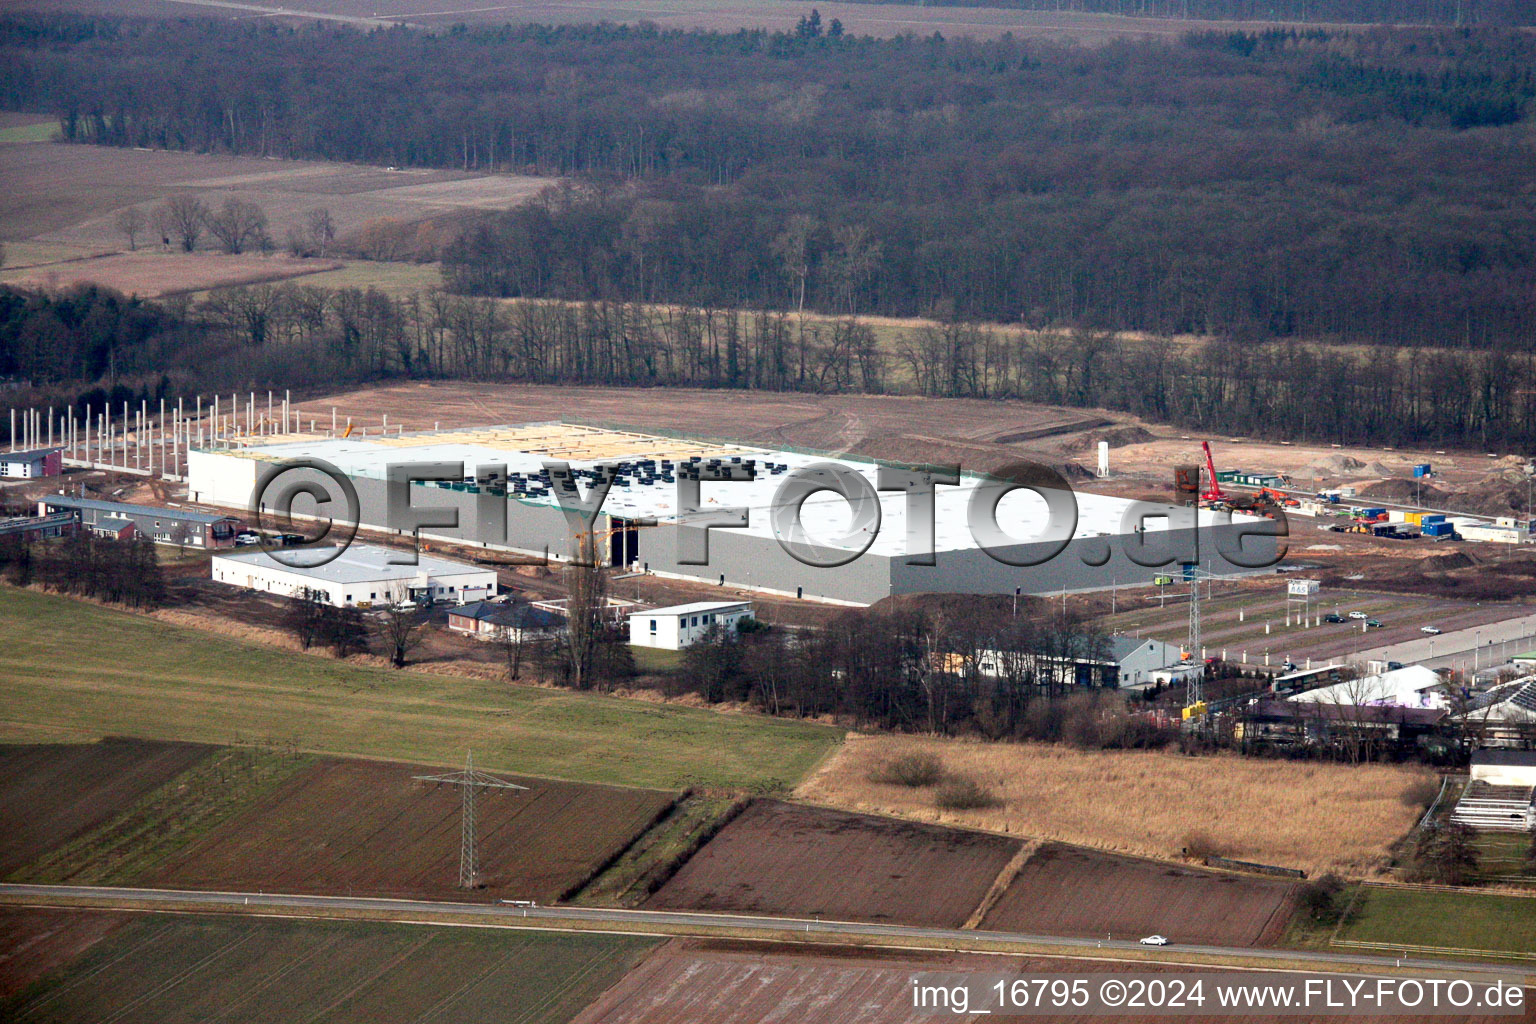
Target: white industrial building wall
{"type": "Point", "coordinates": [285, 582]}
{"type": "Point", "coordinates": [218, 478]}
{"type": "Point", "coordinates": [665, 637]}
{"type": "Point", "coordinates": [239, 573]}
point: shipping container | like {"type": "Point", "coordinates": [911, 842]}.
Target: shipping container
{"type": "Point", "coordinates": [1432, 517]}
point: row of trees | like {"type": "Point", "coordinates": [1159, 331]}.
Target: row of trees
{"type": "Point", "coordinates": [84, 565]}
{"type": "Point", "coordinates": [1398, 12]}
{"type": "Point", "coordinates": [296, 336]}
{"type": "Point", "coordinates": [1275, 184]}
{"type": "Point", "coordinates": [958, 665]}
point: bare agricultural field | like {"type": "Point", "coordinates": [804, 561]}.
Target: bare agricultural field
{"type": "Point", "coordinates": [691, 981]}
{"type": "Point", "coordinates": [158, 274]}
{"type": "Point", "coordinates": [724, 15]}
{"type": "Point", "coordinates": [1317, 817]}
{"type": "Point", "coordinates": [783, 859]}
{"type": "Point", "coordinates": [72, 193]}
{"type": "Point", "coordinates": [55, 791]}
{"type": "Point", "coordinates": [977, 433]}
{"type": "Point", "coordinates": [36, 942]}
{"type": "Point", "coordinates": [1068, 890]}
{"type": "Point", "coordinates": [369, 827]}
{"type": "Point", "coordinates": [155, 968]}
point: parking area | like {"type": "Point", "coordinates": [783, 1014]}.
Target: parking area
{"type": "Point", "coordinates": [1250, 622]}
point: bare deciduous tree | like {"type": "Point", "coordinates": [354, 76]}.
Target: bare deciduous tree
{"type": "Point", "coordinates": [130, 224]}
{"type": "Point", "coordinates": [305, 616]}
{"type": "Point", "coordinates": [239, 225]}
{"type": "Point", "coordinates": [321, 229]}
{"type": "Point", "coordinates": [793, 248]}
{"type": "Point", "coordinates": [183, 218]}
{"type": "Point", "coordinates": [401, 625]}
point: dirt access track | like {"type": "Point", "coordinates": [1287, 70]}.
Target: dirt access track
{"type": "Point", "coordinates": [346, 826]}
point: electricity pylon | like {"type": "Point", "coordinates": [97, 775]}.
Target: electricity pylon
{"type": "Point", "coordinates": [469, 782]}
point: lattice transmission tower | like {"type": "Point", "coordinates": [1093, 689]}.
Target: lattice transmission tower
{"type": "Point", "coordinates": [469, 782]}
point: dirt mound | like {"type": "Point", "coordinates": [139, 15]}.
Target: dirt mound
{"type": "Point", "coordinates": [1119, 437]}
{"type": "Point", "coordinates": [1400, 489]}
{"type": "Point", "coordinates": [1332, 465]}
{"type": "Point", "coordinates": [1443, 563]}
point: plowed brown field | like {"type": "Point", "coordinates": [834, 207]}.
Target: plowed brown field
{"type": "Point", "coordinates": [700, 982]}
{"type": "Point", "coordinates": [55, 791]}
{"type": "Point", "coordinates": [1067, 890]}
{"type": "Point", "coordinates": [369, 827]}
{"type": "Point", "coordinates": [779, 858]}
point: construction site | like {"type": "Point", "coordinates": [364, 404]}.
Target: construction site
{"type": "Point", "coordinates": [786, 522]}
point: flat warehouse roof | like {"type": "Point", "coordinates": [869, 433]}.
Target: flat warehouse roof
{"type": "Point", "coordinates": [121, 508]}
{"type": "Point", "coordinates": [694, 608]}
{"type": "Point", "coordinates": [825, 515]}
{"type": "Point", "coordinates": [360, 563]}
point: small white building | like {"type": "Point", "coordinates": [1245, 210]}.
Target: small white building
{"type": "Point", "coordinates": [680, 625]}
{"type": "Point", "coordinates": [360, 576]}
{"type": "Point", "coordinates": [30, 465]}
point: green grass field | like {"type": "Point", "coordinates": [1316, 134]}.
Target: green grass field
{"type": "Point", "coordinates": [1448, 919]}
{"type": "Point", "coordinates": [1416, 917]}
{"type": "Point", "coordinates": [76, 670]}
{"type": "Point", "coordinates": [41, 131]}
{"type": "Point", "coordinates": [158, 968]}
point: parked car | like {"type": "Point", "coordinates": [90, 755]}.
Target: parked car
{"type": "Point", "coordinates": [1333, 617]}
{"type": "Point", "coordinates": [1373, 624]}
{"type": "Point", "coordinates": [245, 538]}
{"type": "Point", "coordinates": [1431, 630]}
{"type": "Point", "coordinates": [1154, 940]}
{"type": "Point", "coordinates": [1357, 615]}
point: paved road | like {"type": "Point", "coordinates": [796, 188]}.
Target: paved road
{"type": "Point", "coordinates": [1496, 641]}
{"type": "Point", "coordinates": [698, 923]}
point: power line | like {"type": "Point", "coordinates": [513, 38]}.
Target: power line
{"type": "Point", "coordinates": [470, 781]}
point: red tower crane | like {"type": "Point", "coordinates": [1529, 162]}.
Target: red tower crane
{"type": "Point", "coordinates": [1215, 493]}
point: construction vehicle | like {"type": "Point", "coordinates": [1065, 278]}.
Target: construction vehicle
{"type": "Point", "coordinates": [1269, 494]}
{"type": "Point", "coordinates": [1215, 493]}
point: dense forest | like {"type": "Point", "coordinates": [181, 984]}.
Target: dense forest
{"type": "Point", "coordinates": [92, 348]}
{"type": "Point", "coordinates": [1368, 186]}
{"type": "Point", "coordinates": [1359, 12]}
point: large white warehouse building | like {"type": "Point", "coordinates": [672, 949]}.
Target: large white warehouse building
{"type": "Point", "coordinates": [767, 528]}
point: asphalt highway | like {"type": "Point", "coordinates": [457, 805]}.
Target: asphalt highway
{"type": "Point", "coordinates": [702, 924]}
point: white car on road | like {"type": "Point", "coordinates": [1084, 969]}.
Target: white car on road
{"type": "Point", "coordinates": [1431, 630]}
{"type": "Point", "coordinates": [1357, 615]}
{"type": "Point", "coordinates": [1154, 940]}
